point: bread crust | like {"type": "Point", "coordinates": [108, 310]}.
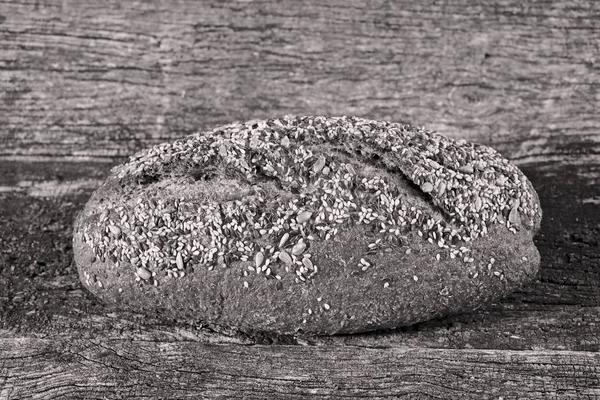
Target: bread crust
{"type": "Point", "coordinates": [278, 177]}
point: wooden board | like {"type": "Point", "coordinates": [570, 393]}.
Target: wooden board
{"type": "Point", "coordinates": [99, 368]}
{"type": "Point", "coordinates": [85, 84]}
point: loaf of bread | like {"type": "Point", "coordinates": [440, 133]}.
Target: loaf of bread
{"type": "Point", "coordinates": [320, 225]}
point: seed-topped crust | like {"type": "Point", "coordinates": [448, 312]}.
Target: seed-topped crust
{"type": "Point", "coordinates": [259, 195]}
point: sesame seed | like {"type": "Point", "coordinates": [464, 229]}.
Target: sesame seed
{"type": "Point", "coordinates": [326, 306]}
{"type": "Point", "coordinates": [386, 284]}
{"type": "Point", "coordinates": [103, 216]}
{"type": "Point", "coordinates": [155, 230]}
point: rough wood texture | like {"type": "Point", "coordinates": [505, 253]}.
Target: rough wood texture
{"type": "Point", "coordinates": [94, 369]}
{"type": "Point", "coordinates": [86, 78]}
{"type": "Point", "coordinates": [83, 84]}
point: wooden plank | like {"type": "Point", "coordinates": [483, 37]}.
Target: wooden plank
{"type": "Point", "coordinates": [101, 368]}
{"type": "Point", "coordinates": [84, 84]}
{"type": "Point", "coordinates": [40, 294]}
{"type": "Point", "coordinates": [84, 79]}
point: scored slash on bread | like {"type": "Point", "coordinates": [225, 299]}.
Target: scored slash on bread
{"type": "Point", "coordinates": [312, 205]}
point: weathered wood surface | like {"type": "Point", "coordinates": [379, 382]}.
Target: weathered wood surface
{"type": "Point", "coordinates": [98, 368]}
{"type": "Point", "coordinates": [84, 84]}
{"type": "Point", "coordinates": [91, 78]}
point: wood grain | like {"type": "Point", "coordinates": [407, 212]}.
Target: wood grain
{"type": "Point", "coordinates": [123, 369]}
{"type": "Point", "coordinates": [87, 79]}
{"type": "Point", "coordinates": [42, 294]}
{"type": "Point", "coordinates": [84, 84]}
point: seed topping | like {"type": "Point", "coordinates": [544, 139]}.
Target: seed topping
{"type": "Point", "coordinates": [472, 185]}
{"type": "Point", "coordinates": [286, 258]}
{"type": "Point", "coordinates": [259, 258]}
{"type": "Point", "coordinates": [303, 217]}
{"type": "Point", "coordinates": [143, 273]}
{"type": "Point", "coordinates": [283, 240]}
{"type": "Point", "coordinates": [298, 248]}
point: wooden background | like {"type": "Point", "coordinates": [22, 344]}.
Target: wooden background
{"type": "Point", "coordinates": [84, 84]}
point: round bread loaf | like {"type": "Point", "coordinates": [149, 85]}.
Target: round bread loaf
{"type": "Point", "coordinates": [316, 224]}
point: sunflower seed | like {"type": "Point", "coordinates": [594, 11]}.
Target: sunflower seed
{"type": "Point", "coordinates": [466, 169]}
{"type": "Point", "coordinates": [285, 257]}
{"type": "Point", "coordinates": [298, 248]}
{"type": "Point", "coordinates": [433, 164]}
{"type": "Point", "coordinates": [284, 239]}
{"type": "Point", "coordinates": [427, 187]}
{"type": "Point", "coordinates": [303, 216]}
{"type": "Point", "coordinates": [307, 263]}
{"type": "Point", "coordinates": [319, 164]}
{"type": "Point", "coordinates": [441, 188]}
{"type": "Point", "coordinates": [258, 259]}
{"type": "Point", "coordinates": [143, 273]}
{"type": "Point", "coordinates": [514, 216]}
{"type": "Point", "coordinates": [223, 151]}
{"type": "Point", "coordinates": [115, 230]}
